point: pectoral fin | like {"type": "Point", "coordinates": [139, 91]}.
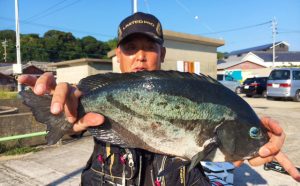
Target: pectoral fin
{"type": "Point", "coordinates": [201, 155]}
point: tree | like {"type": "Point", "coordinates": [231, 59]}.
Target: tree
{"type": "Point", "coordinates": [54, 46]}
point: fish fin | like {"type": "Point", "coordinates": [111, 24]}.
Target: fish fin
{"type": "Point", "coordinates": [173, 166]}
{"type": "Point", "coordinates": [201, 155]}
{"type": "Point", "coordinates": [105, 133]}
{"type": "Point", "coordinates": [94, 82]}
{"type": "Point", "coordinates": [57, 125]}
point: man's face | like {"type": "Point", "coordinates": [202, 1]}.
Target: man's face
{"type": "Point", "coordinates": [138, 52]}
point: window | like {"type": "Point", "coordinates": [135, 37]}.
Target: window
{"type": "Point", "coordinates": [280, 75]}
{"type": "Point", "coordinates": [296, 75]}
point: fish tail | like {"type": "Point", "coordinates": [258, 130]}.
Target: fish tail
{"type": "Point", "coordinates": [57, 125]}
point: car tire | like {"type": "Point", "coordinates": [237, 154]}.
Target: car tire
{"type": "Point", "coordinates": [248, 95]}
{"type": "Point", "coordinates": [269, 98]}
{"type": "Point", "coordinates": [238, 90]}
{"type": "Point", "coordinates": [264, 94]}
{"type": "Point", "coordinates": [297, 96]}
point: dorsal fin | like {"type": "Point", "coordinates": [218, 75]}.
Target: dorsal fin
{"type": "Point", "coordinates": [93, 82]}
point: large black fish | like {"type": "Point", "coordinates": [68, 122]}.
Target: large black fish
{"type": "Point", "coordinates": [167, 112]}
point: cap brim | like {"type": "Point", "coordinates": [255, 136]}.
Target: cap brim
{"type": "Point", "coordinates": [147, 34]}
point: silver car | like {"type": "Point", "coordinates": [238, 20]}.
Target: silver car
{"type": "Point", "coordinates": [284, 83]}
{"type": "Point", "coordinates": [229, 82]}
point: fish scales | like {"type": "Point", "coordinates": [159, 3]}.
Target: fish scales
{"type": "Point", "coordinates": [172, 113]}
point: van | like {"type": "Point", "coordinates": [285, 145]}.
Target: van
{"type": "Point", "coordinates": [284, 83]}
{"type": "Point", "coordinates": [229, 82]}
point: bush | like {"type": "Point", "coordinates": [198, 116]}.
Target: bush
{"type": "Point", "coordinates": [8, 95]}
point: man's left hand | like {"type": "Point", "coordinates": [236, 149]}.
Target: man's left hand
{"type": "Point", "coordinates": [272, 150]}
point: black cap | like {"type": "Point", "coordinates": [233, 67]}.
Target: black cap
{"type": "Point", "coordinates": [141, 23]}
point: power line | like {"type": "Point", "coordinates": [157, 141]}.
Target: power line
{"type": "Point", "coordinates": [237, 29]}
{"type": "Point", "coordinates": [45, 11]}
{"type": "Point", "coordinates": [60, 28]}
{"type": "Point", "coordinates": [56, 10]}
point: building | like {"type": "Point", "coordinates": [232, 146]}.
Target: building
{"type": "Point", "coordinates": [240, 54]}
{"type": "Point", "coordinates": [73, 71]}
{"type": "Point", "coordinates": [258, 61]}
{"type": "Point", "coordinates": [186, 52]}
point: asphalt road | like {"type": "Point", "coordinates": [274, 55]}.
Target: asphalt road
{"type": "Point", "coordinates": [62, 165]}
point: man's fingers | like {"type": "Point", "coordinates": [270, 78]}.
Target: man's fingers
{"type": "Point", "coordinates": [90, 119]}
{"type": "Point", "coordinates": [277, 137]}
{"type": "Point", "coordinates": [238, 163]}
{"type": "Point", "coordinates": [284, 161]}
{"type": "Point", "coordinates": [271, 125]}
{"type": "Point", "coordinates": [71, 105]}
{"type": "Point", "coordinates": [257, 161]}
{"type": "Point", "coordinates": [44, 84]}
{"type": "Point", "coordinates": [59, 98]}
{"type": "Point", "coordinates": [27, 80]}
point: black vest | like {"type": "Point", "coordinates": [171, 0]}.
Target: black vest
{"type": "Point", "coordinates": [111, 165]}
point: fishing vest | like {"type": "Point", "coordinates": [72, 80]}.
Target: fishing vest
{"type": "Point", "coordinates": [110, 165]}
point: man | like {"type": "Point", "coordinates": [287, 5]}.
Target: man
{"type": "Point", "coordinates": [140, 47]}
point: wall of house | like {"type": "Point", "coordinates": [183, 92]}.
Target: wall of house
{"type": "Point", "coordinates": [72, 73]}
{"type": "Point", "coordinates": [280, 64]}
{"type": "Point", "coordinates": [97, 68]}
{"type": "Point", "coordinates": [180, 51]}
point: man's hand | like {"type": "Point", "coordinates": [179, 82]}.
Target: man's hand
{"type": "Point", "coordinates": [271, 150]}
{"type": "Point", "coordinates": [65, 99]}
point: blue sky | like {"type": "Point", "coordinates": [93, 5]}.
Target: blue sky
{"type": "Point", "coordinates": [242, 24]}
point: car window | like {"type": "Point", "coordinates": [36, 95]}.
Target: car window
{"type": "Point", "coordinates": [228, 78]}
{"type": "Point", "coordinates": [296, 75]}
{"type": "Point", "coordinates": [279, 75]}
{"type": "Point", "coordinates": [262, 80]}
{"type": "Point", "coordinates": [219, 77]}
{"type": "Point", "coordinates": [249, 80]}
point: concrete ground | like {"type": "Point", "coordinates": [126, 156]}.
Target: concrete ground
{"type": "Point", "coordinates": [62, 165]}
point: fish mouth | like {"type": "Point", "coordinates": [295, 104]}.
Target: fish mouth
{"type": "Point", "coordinates": [138, 69]}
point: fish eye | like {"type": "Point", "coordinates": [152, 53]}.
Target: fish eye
{"type": "Point", "coordinates": [254, 132]}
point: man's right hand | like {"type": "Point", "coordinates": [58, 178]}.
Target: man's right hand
{"type": "Point", "coordinates": [65, 99]}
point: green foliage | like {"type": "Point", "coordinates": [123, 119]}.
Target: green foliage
{"type": "Point", "coordinates": [8, 95]}
{"type": "Point", "coordinates": [54, 46]}
{"type": "Point", "coordinates": [16, 150]}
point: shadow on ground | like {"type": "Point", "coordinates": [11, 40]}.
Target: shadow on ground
{"type": "Point", "coordinates": [66, 177]}
{"type": "Point", "coordinates": [245, 175]}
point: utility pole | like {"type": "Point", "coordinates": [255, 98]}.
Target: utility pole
{"type": "Point", "coordinates": [17, 68]}
{"type": "Point", "coordinates": [274, 32]}
{"type": "Point", "coordinates": [134, 6]}
{"type": "Point", "coordinates": [4, 44]}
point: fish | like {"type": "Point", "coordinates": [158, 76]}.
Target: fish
{"type": "Point", "coordinates": [180, 114]}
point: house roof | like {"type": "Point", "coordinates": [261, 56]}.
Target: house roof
{"type": "Point", "coordinates": [183, 37]}
{"type": "Point", "coordinates": [7, 68]}
{"type": "Point", "coordinates": [226, 65]}
{"type": "Point", "coordinates": [257, 48]}
{"type": "Point", "coordinates": [280, 56]}
{"type": "Point", "coordinates": [82, 60]}
{"type": "Point", "coordinates": [191, 38]}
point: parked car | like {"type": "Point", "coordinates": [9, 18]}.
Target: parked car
{"type": "Point", "coordinates": [255, 86]}
{"type": "Point", "coordinates": [229, 82]}
{"type": "Point", "coordinates": [284, 83]}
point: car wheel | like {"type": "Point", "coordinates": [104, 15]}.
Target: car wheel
{"type": "Point", "coordinates": [248, 95]}
{"type": "Point", "coordinates": [238, 90]}
{"type": "Point", "coordinates": [264, 94]}
{"type": "Point", "coordinates": [269, 98]}
{"type": "Point", "coordinates": [297, 96]}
